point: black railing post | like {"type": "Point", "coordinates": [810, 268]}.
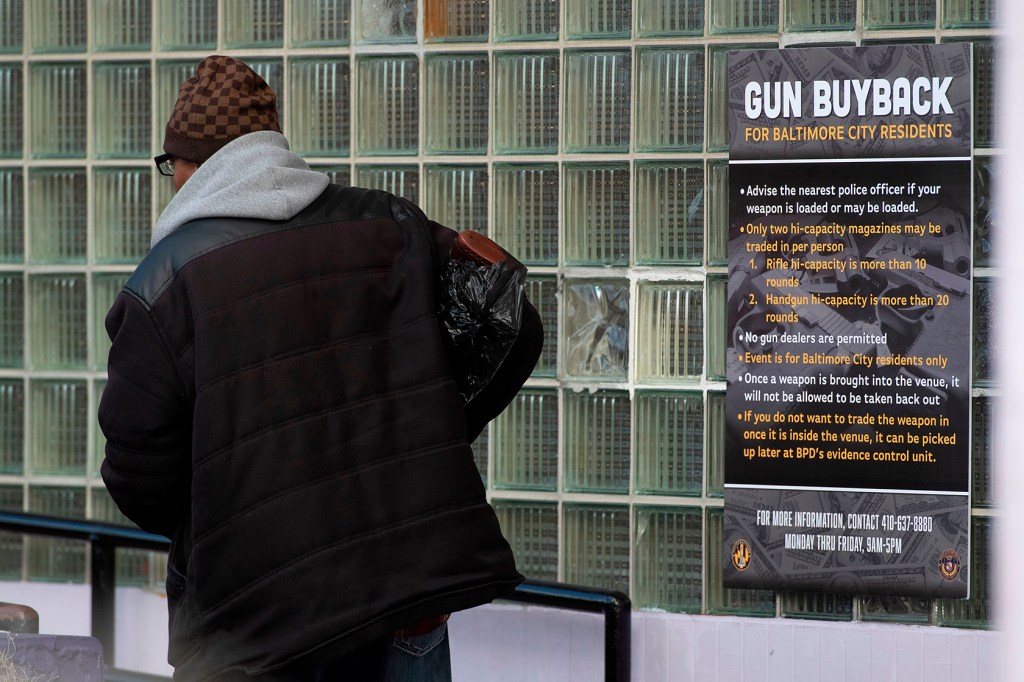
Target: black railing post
{"type": "Point", "coordinates": [102, 557]}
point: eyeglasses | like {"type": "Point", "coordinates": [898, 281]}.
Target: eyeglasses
{"type": "Point", "coordinates": [164, 164]}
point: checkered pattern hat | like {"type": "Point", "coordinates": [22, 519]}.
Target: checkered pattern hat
{"type": "Point", "coordinates": [224, 100]}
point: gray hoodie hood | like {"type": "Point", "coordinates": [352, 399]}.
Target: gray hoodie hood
{"type": "Point", "coordinates": [255, 176]}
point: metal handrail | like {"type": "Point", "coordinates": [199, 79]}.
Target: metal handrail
{"type": "Point", "coordinates": [105, 538]}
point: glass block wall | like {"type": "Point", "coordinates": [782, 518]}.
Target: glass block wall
{"type": "Point", "coordinates": [587, 136]}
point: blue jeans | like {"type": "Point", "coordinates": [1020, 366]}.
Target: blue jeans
{"type": "Point", "coordinates": [417, 658]}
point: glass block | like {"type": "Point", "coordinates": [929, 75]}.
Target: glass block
{"type": "Point", "coordinates": [597, 546]}
{"type": "Point", "coordinates": [12, 215]}
{"type": "Point", "coordinates": [716, 239]}
{"type": "Point", "coordinates": [531, 528]}
{"type": "Point", "coordinates": [338, 175]}
{"type": "Point", "coordinates": [164, 192]}
{"type": "Point", "coordinates": [319, 125]}
{"type": "Point", "coordinates": [480, 457]}
{"type": "Point", "coordinates": [719, 92]}
{"type": "Point", "coordinates": [597, 441]}
{"type": "Point", "coordinates": [670, 110]}
{"type": "Point", "coordinates": [658, 18]}
{"type": "Point", "coordinates": [526, 211]}
{"type": "Point", "coordinates": [121, 197]}
{"type": "Point", "coordinates": [669, 443]}
{"type": "Point", "coordinates": [188, 25]}
{"type": "Point", "coordinates": [984, 339]}
{"type": "Point", "coordinates": [121, 24]}
{"type": "Point", "coordinates": [272, 71]}
{"type": "Point", "coordinates": [456, 103]}
{"type": "Point", "coordinates": [526, 442]}
{"type": "Point", "coordinates": [387, 21]}
{"type": "Point", "coordinates": [597, 101]}
{"type": "Point", "coordinates": [57, 321]}
{"type": "Point", "coordinates": [320, 23]}
{"type": "Point", "coordinates": [895, 609]}
{"type": "Point", "coordinates": [598, 18]}
{"type": "Point", "coordinates": [596, 329]}
{"type": "Point", "coordinates": [57, 25]}
{"type": "Point", "coordinates": [12, 498]}
{"type": "Point", "coordinates": [816, 606]}
{"type": "Point", "coordinates": [12, 319]}
{"type": "Point", "coordinates": [456, 196]}
{"type": "Point", "coordinates": [542, 292]}
{"type": "Point", "coordinates": [976, 612]}
{"type": "Point", "coordinates": [526, 20]}
{"type": "Point", "coordinates": [968, 13]}
{"type": "Point", "coordinates": [715, 325]}
{"type": "Point", "coordinates": [813, 15]}
{"type": "Point", "coordinates": [169, 77]}
{"type": "Point", "coordinates": [388, 105]}
{"type": "Point", "coordinates": [402, 181]}
{"type": "Point", "coordinates": [982, 487]}
{"type": "Point", "coordinates": [12, 26]}
{"type": "Point", "coordinates": [668, 561]}
{"type": "Point", "coordinates": [716, 444]}
{"type": "Point", "coordinates": [59, 216]}
{"type": "Point", "coordinates": [669, 225]}
{"type": "Point", "coordinates": [984, 209]}
{"type": "Point", "coordinates": [122, 100]}
{"type": "Point", "coordinates": [526, 103]}
{"type": "Point", "coordinates": [99, 441]}
{"type": "Point", "coordinates": [56, 559]}
{"type": "Point", "coordinates": [253, 23]}
{"type": "Point", "coordinates": [134, 566]}
{"type": "Point", "coordinates": [910, 14]}
{"type": "Point", "coordinates": [985, 107]}
{"type": "Point", "coordinates": [743, 16]}
{"type": "Point", "coordinates": [58, 435]}
{"type": "Point", "coordinates": [728, 600]}
{"type": "Point", "coordinates": [58, 97]}
{"type": "Point", "coordinates": [456, 20]}
{"type": "Point", "coordinates": [670, 343]}
{"type": "Point", "coordinates": [12, 430]}
{"type": "Point", "coordinates": [596, 218]}
{"type": "Point", "coordinates": [105, 288]}
{"type": "Point", "coordinates": [11, 107]}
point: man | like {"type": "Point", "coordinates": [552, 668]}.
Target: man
{"type": "Point", "coordinates": [281, 405]}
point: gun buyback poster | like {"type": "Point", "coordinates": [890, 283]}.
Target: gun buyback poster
{"type": "Point", "coordinates": [849, 349]}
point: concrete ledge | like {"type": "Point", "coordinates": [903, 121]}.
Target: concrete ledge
{"type": "Point", "coordinates": [52, 657]}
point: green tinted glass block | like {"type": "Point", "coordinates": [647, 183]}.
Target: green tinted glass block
{"type": "Point", "coordinates": [596, 441]}
{"type": "Point", "coordinates": [531, 528]}
{"type": "Point", "coordinates": [456, 196]}
{"type": "Point", "coordinates": [716, 444]}
{"type": "Point", "coordinates": [907, 14]}
{"type": "Point", "coordinates": [816, 606]}
{"type": "Point", "coordinates": [402, 181]}
{"type": "Point", "coordinates": [58, 97]}
{"type": "Point", "coordinates": [657, 18]}
{"type": "Point", "coordinates": [670, 93]}
{"type": "Point", "coordinates": [319, 123]}
{"type": "Point", "coordinates": [11, 106]}
{"type": "Point", "coordinates": [526, 20]}
{"type": "Point", "coordinates": [320, 23]}
{"type": "Point", "coordinates": [163, 193]}
{"type": "Point", "coordinates": [338, 175]}
{"type": "Point", "coordinates": [99, 442]}
{"type": "Point", "coordinates": [526, 211]}
{"type": "Point", "coordinates": [456, 103]}
{"type": "Point", "coordinates": [59, 217]}
{"type": "Point", "coordinates": [669, 444]}
{"type": "Point", "coordinates": [133, 565]}
{"type": "Point", "coordinates": [719, 88]}
{"type": "Point", "coordinates": [456, 20]}
{"type": "Point", "coordinates": [968, 13]}
{"type": "Point", "coordinates": [542, 292]}
{"type": "Point", "coordinates": [985, 107]}
{"type": "Point", "coordinates": [58, 435]}
{"type": "Point", "coordinates": [669, 225]}
{"type": "Point", "coordinates": [984, 209]}
{"type": "Point", "coordinates": [727, 600]}
{"type": "Point", "coordinates": [526, 103]}
{"type": "Point", "coordinates": [598, 18]}
{"type": "Point", "coordinates": [12, 26]}
{"type": "Point", "coordinates": [668, 545]}
{"type": "Point", "coordinates": [57, 321]}
{"type": "Point", "coordinates": [743, 16]}
{"type": "Point", "coordinates": [597, 546]}
{"type": "Point", "coordinates": [53, 559]}
{"type": "Point", "coordinates": [272, 71]}
{"type": "Point", "coordinates": [896, 609]}
{"type": "Point", "coordinates": [526, 442]}
{"type": "Point", "coordinates": [253, 23]}
{"type": "Point", "coordinates": [12, 216]}
{"type": "Point", "coordinates": [597, 101]}
{"type": "Point", "coordinates": [388, 105]}
{"type": "Point", "coordinates": [105, 288]}
{"type": "Point", "coordinates": [188, 25]}
{"type": "Point", "coordinates": [57, 25]}
{"type": "Point", "coordinates": [12, 430]}
{"type": "Point", "coordinates": [12, 498]}
{"type": "Point", "coordinates": [386, 21]}
{"type": "Point", "coordinates": [12, 319]}
{"type": "Point", "coordinates": [982, 488]}
{"type": "Point", "coordinates": [715, 326]}
{"type": "Point", "coordinates": [670, 340]}
{"type": "Point", "coordinates": [122, 123]}
{"type": "Point", "coordinates": [596, 329]}
{"type": "Point", "coordinates": [121, 197]}
{"type": "Point", "coordinates": [121, 24]}
{"type": "Point", "coordinates": [480, 448]}
{"type": "Point", "coordinates": [717, 199]}
{"type": "Point", "coordinates": [975, 612]}
{"type": "Point", "coordinates": [596, 218]}
{"type": "Point", "coordinates": [984, 310]}
{"type": "Point", "coordinates": [814, 15]}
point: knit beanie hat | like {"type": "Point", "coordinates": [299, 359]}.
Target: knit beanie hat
{"type": "Point", "coordinates": [223, 101]}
